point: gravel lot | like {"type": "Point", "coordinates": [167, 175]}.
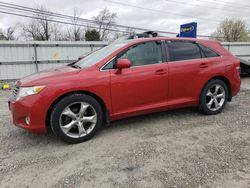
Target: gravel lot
{"type": "Point", "coordinates": [180, 148]}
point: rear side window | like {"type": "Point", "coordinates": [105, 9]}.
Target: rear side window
{"type": "Point", "coordinates": [179, 50]}
{"type": "Point", "coordinates": [208, 52]}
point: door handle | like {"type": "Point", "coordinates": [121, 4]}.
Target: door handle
{"type": "Point", "coordinates": [161, 72]}
{"type": "Point", "coordinates": [203, 65]}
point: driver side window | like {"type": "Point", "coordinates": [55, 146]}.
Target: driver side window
{"type": "Point", "coordinates": [142, 54]}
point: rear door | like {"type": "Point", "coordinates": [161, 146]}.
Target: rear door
{"type": "Point", "coordinates": [145, 84]}
{"type": "Point", "coordinates": [186, 68]}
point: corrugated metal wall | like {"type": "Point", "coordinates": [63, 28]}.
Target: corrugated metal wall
{"type": "Point", "coordinates": [19, 59]}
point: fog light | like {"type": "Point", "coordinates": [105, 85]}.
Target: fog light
{"type": "Point", "coordinates": [27, 120]}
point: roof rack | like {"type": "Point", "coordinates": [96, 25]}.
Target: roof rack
{"type": "Point", "coordinates": [147, 34]}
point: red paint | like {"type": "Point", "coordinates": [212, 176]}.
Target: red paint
{"type": "Point", "coordinates": [130, 91]}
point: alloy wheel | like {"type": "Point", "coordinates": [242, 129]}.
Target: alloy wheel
{"type": "Point", "coordinates": [215, 97]}
{"type": "Point", "coordinates": [78, 119]}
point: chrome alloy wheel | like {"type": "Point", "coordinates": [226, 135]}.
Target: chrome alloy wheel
{"type": "Point", "coordinates": [78, 119]}
{"type": "Point", "coordinates": [215, 97]}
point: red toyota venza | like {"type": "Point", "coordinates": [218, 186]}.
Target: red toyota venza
{"type": "Point", "coordinates": [129, 77]}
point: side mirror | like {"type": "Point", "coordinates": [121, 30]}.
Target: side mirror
{"type": "Point", "coordinates": [123, 64]}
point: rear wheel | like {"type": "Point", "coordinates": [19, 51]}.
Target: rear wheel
{"type": "Point", "coordinates": [76, 118]}
{"type": "Point", "coordinates": [213, 97]}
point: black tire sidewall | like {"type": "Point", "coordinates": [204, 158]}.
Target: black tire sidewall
{"type": "Point", "coordinates": [202, 106]}
{"type": "Point", "coordinates": [62, 104]}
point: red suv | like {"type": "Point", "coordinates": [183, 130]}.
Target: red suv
{"type": "Point", "coordinates": [127, 78]}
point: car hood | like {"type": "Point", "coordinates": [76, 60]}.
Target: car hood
{"type": "Point", "coordinates": [48, 76]}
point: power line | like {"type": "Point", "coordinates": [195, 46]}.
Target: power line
{"type": "Point", "coordinates": [56, 21]}
{"type": "Point", "coordinates": [226, 4]}
{"type": "Point", "coordinates": [52, 14]}
{"type": "Point", "coordinates": [64, 19]}
{"type": "Point", "coordinates": [208, 7]}
{"type": "Point", "coordinates": [159, 11]}
{"type": "Point", "coordinates": [44, 12]}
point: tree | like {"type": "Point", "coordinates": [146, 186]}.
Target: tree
{"type": "Point", "coordinates": [231, 30]}
{"type": "Point", "coordinates": [2, 36]}
{"type": "Point", "coordinates": [117, 34]}
{"type": "Point", "coordinates": [44, 23]}
{"type": "Point", "coordinates": [92, 35]}
{"type": "Point", "coordinates": [56, 32]}
{"type": "Point", "coordinates": [39, 29]}
{"type": "Point", "coordinates": [75, 32]}
{"type": "Point", "coordinates": [104, 20]}
{"type": "Point", "coordinates": [31, 31]}
{"type": "Point", "coordinates": [8, 34]}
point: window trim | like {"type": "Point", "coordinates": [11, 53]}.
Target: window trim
{"type": "Point", "coordinates": [124, 51]}
{"type": "Point", "coordinates": [204, 55]}
{"type": "Point", "coordinates": [101, 69]}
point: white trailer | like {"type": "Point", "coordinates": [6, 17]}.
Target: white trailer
{"type": "Point", "coordinates": [242, 51]}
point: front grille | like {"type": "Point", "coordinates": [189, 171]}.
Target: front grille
{"type": "Point", "coordinates": [15, 92]}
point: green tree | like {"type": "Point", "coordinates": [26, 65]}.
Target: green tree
{"type": "Point", "coordinates": [92, 35]}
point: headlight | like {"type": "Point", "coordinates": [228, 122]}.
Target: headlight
{"type": "Point", "coordinates": [26, 91]}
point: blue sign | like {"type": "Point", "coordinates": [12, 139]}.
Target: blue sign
{"type": "Point", "coordinates": [188, 30]}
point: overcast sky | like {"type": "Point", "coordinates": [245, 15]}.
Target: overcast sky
{"type": "Point", "coordinates": [168, 14]}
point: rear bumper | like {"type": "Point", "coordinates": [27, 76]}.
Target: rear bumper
{"type": "Point", "coordinates": [31, 107]}
{"type": "Point", "coordinates": [235, 83]}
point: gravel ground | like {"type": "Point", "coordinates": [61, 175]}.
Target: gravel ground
{"type": "Point", "coordinates": [180, 148]}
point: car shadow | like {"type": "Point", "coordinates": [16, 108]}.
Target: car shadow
{"type": "Point", "coordinates": [140, 120]}
{"type": "Point", "coordinates": [126, 123]}
{"type": "Point", "coordinates": [134, 122]}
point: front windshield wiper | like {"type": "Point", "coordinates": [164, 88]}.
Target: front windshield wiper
{"type": "Point", "coordinates": [74, 66]}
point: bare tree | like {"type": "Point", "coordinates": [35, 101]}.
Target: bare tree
{"type": "Point", "coordinates": [2, 36]}
{"type": "Point", "coordinates": [44, 23]}
{"type": "Point", "coordinates": [56, 32]}
{"type": "Point", "coordinates": [31, 30]}
{"type": "Point", "coordinates": [38, 29]}
{"type": "Point", "coordinates": [8, 34]}
{"type": "Point", "coordinates": [117, 34]}
{"type": "Point", "coordinates": [104, 20]}
{"type": "Point", "coordinates": [75, 33]}
{"type": "Point", "coordinates": [231, 30]}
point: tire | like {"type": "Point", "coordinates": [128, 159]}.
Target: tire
{"type": "Point", "coordinates": [76, 118]}
{"type": "Point", "coordinates": [218, 92]}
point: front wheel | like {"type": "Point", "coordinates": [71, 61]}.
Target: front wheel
{"type": "Point", "coordinates": [214, 97]}
{"type": "Point", "coordinates": [76, 118]}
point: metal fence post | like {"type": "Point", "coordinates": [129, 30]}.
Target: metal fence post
{"type": "Point", "coordinates": [91, 46]}
{"type": "Point", "coordinates": [35, 49]}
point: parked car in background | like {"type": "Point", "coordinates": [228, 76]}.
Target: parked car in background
{"type": "Point", "coordinates": [132, 76]}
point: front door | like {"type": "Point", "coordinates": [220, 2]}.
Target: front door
{"type": "Point", "coordinates": [144, 84]}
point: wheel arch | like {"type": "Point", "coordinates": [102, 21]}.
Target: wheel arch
{"type": "Point", "coordinates": [224, 79]}
{"type": "Point", "coordinates": [95, 96]}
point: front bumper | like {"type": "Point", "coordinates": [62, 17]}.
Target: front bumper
{"type": "Point", "coordinates": [32, 107]}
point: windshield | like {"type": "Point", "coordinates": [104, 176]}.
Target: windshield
{"type": "Point", "coordinates": [99, 55]}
